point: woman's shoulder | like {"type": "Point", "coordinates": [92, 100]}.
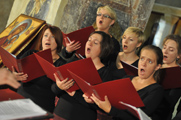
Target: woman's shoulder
{"type": "Point", "coordinates": [135, 63]}
{"type": "Point", "coordinates": [120, 54]}
{"type": "Point", "coordinates": [105, 73]}
{"type": "Point", "coordinates": [154, 87]}
{"type": "Point", "coordinates": [114, 39]}
{"type": "Point", "coordinates": [60, 62]}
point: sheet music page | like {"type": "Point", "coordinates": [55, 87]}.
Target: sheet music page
{"type": "Point", "coordinates": [18, 109]}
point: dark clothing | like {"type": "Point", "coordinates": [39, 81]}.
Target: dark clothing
{"type": "Point", "coordinates": [173, 96]}
{"type": "Point", "coordinates": [116, 44]}
{"type": "Point", "coordinates": [179, 107]}
{"type": "Point", "coordinates": [151, 96]}
{"type": "Point", "coordinates": [178, 116]}
{"type": "Point", "coordinates": [120, 73]}
{"type": "Point", "coordinates": [71, 109]}
{"type": "Point", "coordinates": [39, 89]}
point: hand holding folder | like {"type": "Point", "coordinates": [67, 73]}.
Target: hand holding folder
{"type": "Point", "coordinates": [117, 90]}
{"type": "Point", "coordinates": [83, 67]}
{"type": "Point", "coordinates": [80, 35]}
{"type": "Point", "coordinates": [28, 65]}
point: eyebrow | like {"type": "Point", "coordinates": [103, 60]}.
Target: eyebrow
{"type": "Point", "coordinates": [147, 58]}
{"type": "Point", "coordinates": [169, 46]}
{"type": "Point", "coordinates": [96, 40]}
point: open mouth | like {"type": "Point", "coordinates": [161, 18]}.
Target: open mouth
{"type": "Point", "coordinates": [47, 43]}
{"type": "Point", "coordinates": [165, 57]}
{"type": "Point", "coordinates": [100, 22]}
{"type": "Point", "coordinates": [88, 50]}
{"type": "Point", "coordinates": [125, 46]}
{"type": "Point", "coordinates": [142, 70]}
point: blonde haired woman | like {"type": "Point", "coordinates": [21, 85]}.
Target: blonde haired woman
{"type": "Point", "coordinates": [105, 19]}
{"type": "Point", "coordinates": [132, 39]}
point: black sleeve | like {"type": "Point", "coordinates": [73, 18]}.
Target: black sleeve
{"type": "Point", "coordinates": [56, 90]}
{"type": "Point", "coordinates": [65, 54]}
{"type": "Point", "coordinates": [153, 100]}
{"type": "Point", "coordinates": [78, 97]}
{"type": "Point", "coordinates": [122, 114]}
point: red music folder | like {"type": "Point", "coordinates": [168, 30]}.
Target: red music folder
{"type": "Point", "coordinates": [129, 69]}
{"type": "Point", "coordinates": [28, 65]}
{"type": "Point", "coordinates": [171, 77]}
{"type": "Point", "coordinates": [83, 67]}
{"type": "Point", "coordinates": [80, 35]}
{"type": "Point", "coordinates": [116, 90]}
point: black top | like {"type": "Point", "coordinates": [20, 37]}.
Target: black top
{"type": "Point", "coordinates": [120, 73]}
{"type": "Point", "coordinates": [173, 96]}
{"type": "Point", "coordinates": [116, 44]}
{"type": "Point", "coordinates": [178, 116]}
{"type": "Point", "coordinates": [151, 96]}
{"type": "Point", "coordinates": [106, 61]}
{"type": "Point", "coordinates": [39, 89]}
{"type": "Point", "coordinates": [71, 109]}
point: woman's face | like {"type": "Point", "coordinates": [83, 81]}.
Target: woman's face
{"type": "Point", "coordinates": [48, 41]}
{"type": "Point", "coordinates": [93, 46]}
{"type": "Point", "coordinates": [170, 52]}
{"type": "Point", "coordinates": [147, 64]}
{"type": "Point", "coordinates": [130, 42]}
{"type": "Point", "coordinates": [103, 20]}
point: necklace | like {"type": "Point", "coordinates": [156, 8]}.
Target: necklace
{"type": "Point", "coordinates": [54, 59]}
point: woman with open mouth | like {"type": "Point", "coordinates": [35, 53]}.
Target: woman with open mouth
{"type": "Point", "coordinates": [132, 39]}
{"type": "Point", "coordinates": [105, 19]}
{"type": "Point", "coordinates": [171, 55]}
{"type": "Point", "coordinates": [39, 89]}
{"type": "Point", "coordinates": [71, 106]}
{"type": "Point", "coordinates": [146, 85]}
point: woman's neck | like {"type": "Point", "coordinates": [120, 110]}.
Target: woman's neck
{"type": "Point", "coordinates": [103, 30]}
{"type": "Point", "coordinates": [142, 83]}
{"type": "Point", "coordinates": [129, 56]}
{"type": "Point", "coordinates": [55, 56]}
{"type": "Point", "coordinates": [174, 64]}
{"type": "Point", "coordinates": [97, 62]}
